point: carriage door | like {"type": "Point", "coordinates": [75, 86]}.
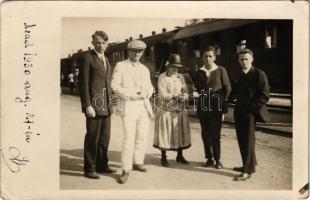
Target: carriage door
{"type": "Point", "coordinates": [161, 56]}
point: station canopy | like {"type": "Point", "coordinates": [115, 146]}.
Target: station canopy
{"type": "Point", "coordinates": [211, 26]}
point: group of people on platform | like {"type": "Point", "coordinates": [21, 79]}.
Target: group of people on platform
{"type": "Point", "coordinates": [130, 82]}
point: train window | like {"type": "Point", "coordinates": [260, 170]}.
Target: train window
{"type": "Point", "coordinates": [147, 51]}
{"type": "Point", "coordinates": [240, 45]}
{"type": "Point", "coordinates": [216, 38]}
{"type": "Point", "coordinates": [152, 53]}
{"type": "Point", "coordinates": [197, 53]}
{"type": "Point", "coordinates": [270, 37]}
{"type": "Point", "coordinates": [196, 43]}
{"type": "Point", "coordinates": [218, 51]}
{"type": "Point", "coordinates": [125, 54]}
{"type": "Point", "coordinates": [183, 48]}
{"type": "Point", "coordinates": [114, 56]}
{"type": "Point", "coordinates": [121, 55]}
{"type": "Point", "coordinates": [196, 47]}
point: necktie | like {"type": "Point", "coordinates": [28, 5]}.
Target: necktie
{"type": "Point", "coordinates": [103, 60]}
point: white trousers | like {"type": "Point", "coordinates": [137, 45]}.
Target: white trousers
{"type": "Point", "coordinates": [136, 128]}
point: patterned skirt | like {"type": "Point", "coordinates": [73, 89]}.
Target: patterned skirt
{"type": "Point", "coordinates": [172, 131]}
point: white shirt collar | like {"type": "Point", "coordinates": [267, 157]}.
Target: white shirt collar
{"type": "Point", "coordinates": [99, 54]}
{"type": "Point", "coordinates": [213, 67]}
{"type": "Point", "coordinates": [208, 71]}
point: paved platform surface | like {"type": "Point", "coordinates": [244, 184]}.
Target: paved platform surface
{"type": "Point", "coordinates": [274, 155]}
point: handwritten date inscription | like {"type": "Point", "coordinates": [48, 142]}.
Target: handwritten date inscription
{"type": "Point", "coordinates": [13, 157]}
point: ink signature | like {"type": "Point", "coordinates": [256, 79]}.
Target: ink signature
{"type": "Point", "coordinates": [15, 161]}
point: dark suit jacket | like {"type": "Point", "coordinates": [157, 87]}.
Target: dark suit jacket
{"type": "Point", "coordinates": [252, 93]}
{"type": "Point", "coordinates": [214, 91]}
{"type": "Point", "coordinates": [95, 83]}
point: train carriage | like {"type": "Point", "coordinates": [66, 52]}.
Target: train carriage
{"type": "Point", "coordinates": [270, 40]}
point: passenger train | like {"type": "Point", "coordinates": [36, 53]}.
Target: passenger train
{"type": "Point", "coordinates": [270, 40]}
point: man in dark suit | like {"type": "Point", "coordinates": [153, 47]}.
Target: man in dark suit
{"type": "Point", "coordinates": [252, 93]}
{"type": "Point", "coordinates": [95, 90]}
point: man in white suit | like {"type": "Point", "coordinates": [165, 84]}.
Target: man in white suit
{"type": "Point", "coordinates": [131, 82]}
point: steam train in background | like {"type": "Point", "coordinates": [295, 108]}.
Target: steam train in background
{"type": "Point", "coordinates": [270, 40]}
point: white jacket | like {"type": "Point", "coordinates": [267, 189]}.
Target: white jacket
{"type": "Point", "coordinates": [124, 84]}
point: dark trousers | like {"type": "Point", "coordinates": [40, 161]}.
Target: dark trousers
{"type": "Point", "coordinates": [72, 87]}
{"type": "Point", "coordinates": [96, 143]}
{"type": "Point", "coordinates": [245, 128]}
{"type": "Point", "coordinates": [211, 135]}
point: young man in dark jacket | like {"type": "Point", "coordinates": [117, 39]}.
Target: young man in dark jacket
{"type": "Point", "coordinates": [252, 93]}
{"type": "Point", "coordinates": [214, 87]}
{"type": "Point", "coordinates": [95, 90]}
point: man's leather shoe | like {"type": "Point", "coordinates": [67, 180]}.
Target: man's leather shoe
{"type": "Point", "coordinates": [140, 168]}
{"type": "Point", "coordinates": [91, 175]}
{"type": "Point", "coordinates": [219, 165]}
{"type": "Point", "coordinates": [209, 163]}
{"type": "Point", "coordinates": [181, 159]}
{"type": "Point", "coordinates": [124, 177]}
{"type": "Point", "coordinates": [242, 177]}
{"type": "Point", "coordinates": [238, 169]}
{"type": "Point", "coordinates": [106, 170]}
{"type": "Point", "coordinates": [164, 162]}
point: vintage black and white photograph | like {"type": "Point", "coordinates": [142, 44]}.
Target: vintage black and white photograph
{"type": "Point", "coordinates": [154, 100]}
{"type": "Point", "coordinates": [176, 103]}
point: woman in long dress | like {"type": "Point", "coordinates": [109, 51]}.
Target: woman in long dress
{"type": "Point", "coordinates": [172, 130]}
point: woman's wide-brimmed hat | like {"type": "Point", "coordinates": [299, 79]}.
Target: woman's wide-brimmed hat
{"type": "Point", "coordinates": [174, 61]}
